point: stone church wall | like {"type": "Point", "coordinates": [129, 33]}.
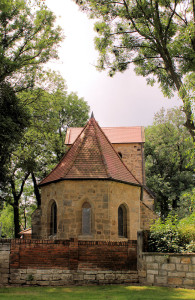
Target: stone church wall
{"type": "Point", "coordinates": [147, 216]}
{"type": "Point", "coordinates": [130, 197]}
{"type": "Point", "coordinates": [104, 197]}
{"type": "Point", "coordinates": [133, 157]}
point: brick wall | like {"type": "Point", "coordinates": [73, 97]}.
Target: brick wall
{"type": "Point", "coordinates": [61, 262]}
{"type": "Point", "coordinates": [108, 255]}
{"type": "Point", "coordinates": [40, 253]}
{"type": "Point", "coordinates": [73, 255]}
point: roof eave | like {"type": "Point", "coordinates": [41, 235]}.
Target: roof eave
{"type": "Point", "coordinates": [101, 179]}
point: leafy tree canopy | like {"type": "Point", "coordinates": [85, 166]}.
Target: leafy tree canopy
{"type": "Point", "coordinates": [13, 121]}
{"type": "Point", "coordinates": [158, 37]}
{"type": "Point", "coordinates": [28, 39]}
{"type": "Point", "coordinates": [169, 171]}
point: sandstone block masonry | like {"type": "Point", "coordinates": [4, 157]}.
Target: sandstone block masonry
{"type": "Point", "coordinates": [164, 269]}
{"type": "Point", "coordinates": [60, 277]}
{"type": "Point", "coordinates": [4, 261]}
{"type": "Point", "coordinates": [104, 197]}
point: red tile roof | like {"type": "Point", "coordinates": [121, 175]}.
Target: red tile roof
{"type": "Point", "coordinates": [116, 135]}
{"type": "Point", "coordinates": [91, 156]}
{"type": "Point", "coordinates": [26, 231]}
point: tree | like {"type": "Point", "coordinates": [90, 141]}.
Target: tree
{"type": "Point", "coordinates": [7, 221]}
{"type": "Point", "coordinates": [13, 121]}
{"type": "Point", "coordinates": [158, 37]}
{"type": "Point", "coordinates": [28, 39]}
{"type": "Point", "coordinates": [42, 144]}
{"type": "Point", "coordinates": [168, 171]}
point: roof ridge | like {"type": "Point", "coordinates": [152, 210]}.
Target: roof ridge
{"type": "Point", "coordinates": [79, 148]}
{"type": "Point", "coordinates": [100, 147]}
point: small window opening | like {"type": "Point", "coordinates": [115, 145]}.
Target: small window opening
{"type": "Point", "coordinates": [120, 154]}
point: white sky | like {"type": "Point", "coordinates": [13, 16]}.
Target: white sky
{"type": "Point", "coordinates": [125, 99]}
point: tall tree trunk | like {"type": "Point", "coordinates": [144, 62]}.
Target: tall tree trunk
{"type": "Point", "coordinates": [15, 204]}
{"type": "Point", "coordinates": [36, 190]}
{"type": "Point", "coordinates": [16, 218]}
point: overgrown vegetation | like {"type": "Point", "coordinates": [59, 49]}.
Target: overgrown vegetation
{"type": "Point", "coordinates": [173, 235]}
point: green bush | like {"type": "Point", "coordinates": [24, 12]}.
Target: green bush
{"type": "Point", "coordinates": [186, 228]}
{"type": "Point", "coordinates": [171, 235]}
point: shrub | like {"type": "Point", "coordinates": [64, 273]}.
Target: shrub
{"type": "Point", "coordinates": [172, 235]}
{"type": "Point", "coordinates": [186, 228]}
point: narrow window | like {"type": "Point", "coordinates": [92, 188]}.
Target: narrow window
{"type": "Point", "coordinates": [120, 154]}
{"type": "Point", "coordinates": [122, 221]}
{"type": "Point", "coordinates": [53, 226]}
{"type": "Point", "coordinates": [86, 218]}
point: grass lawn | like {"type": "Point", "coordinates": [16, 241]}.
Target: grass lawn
{"type": "Point", "coordinates": [117, 292]}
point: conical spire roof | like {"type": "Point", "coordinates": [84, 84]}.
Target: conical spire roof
{"type": "Point", "coordinates": [91, 156]}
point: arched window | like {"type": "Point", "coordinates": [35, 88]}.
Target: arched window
{"type": "Point", "coordinates": [53, 222]}
{"type": "Point", "coordinates": [122, 221]}
{"type": "Point", "coordinates": [86, 218]}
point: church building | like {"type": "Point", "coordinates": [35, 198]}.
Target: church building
{"type": "Point", "coordinates": [97, 191]}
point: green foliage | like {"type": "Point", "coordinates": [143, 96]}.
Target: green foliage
{"type": "Point", "coordinates": [7, 220]}
{"type": "Point", "coordinates": [13, 121]}
{"type": "Point", "coordinates": [169, 174]}
{"type": "Point", "coordinates": [186, 228]}
{"type": "Point", "coordinates": [187, 204]}
{"type": "Point", "coordinates": [52, 113]}
{"type": "Point", "coordinates": [171, 235]}
{"type": "Point", "coordinates": [141, 31]}
{"type": "Point", "coordinates": [28, 39]}
{"type": "Point", "coordinates": [157, 37]}
{"type": "Point", "coordinates": [164, 236]}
